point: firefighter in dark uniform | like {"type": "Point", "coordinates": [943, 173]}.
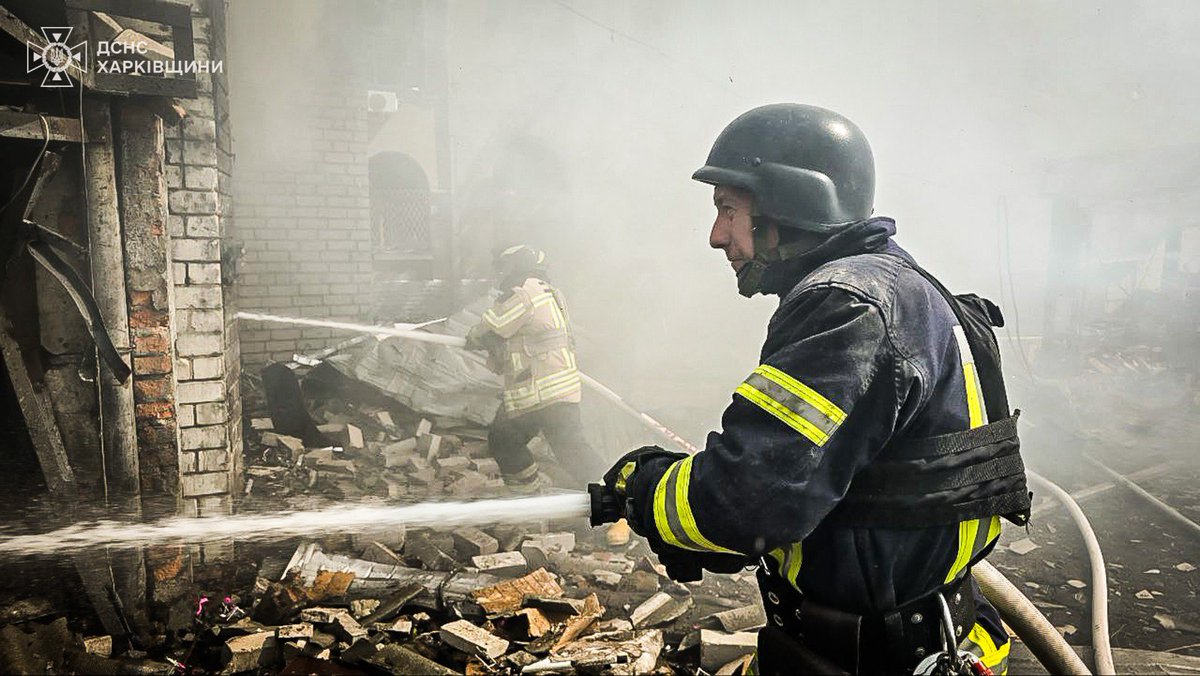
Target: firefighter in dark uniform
{"type": "Point", "coordinates": [865, 465]}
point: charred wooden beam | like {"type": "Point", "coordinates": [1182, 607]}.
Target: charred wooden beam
{"type": "Point", "coordinates": [17, 125]}
{"type": "Point", "coordinates": [39, 416]}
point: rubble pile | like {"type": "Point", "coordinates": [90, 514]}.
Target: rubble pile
{"type": "Point", "coordinates": [369, 455]}
{"type": "Point", "coordinates": [504, 599]}
{"type": "Point", "coordinates": [510, 598]}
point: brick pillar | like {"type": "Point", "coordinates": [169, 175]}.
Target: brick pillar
{"type": "Point", "coordinates": [149, 290]}
{"type": "Point", "coordinates": [207, 398]}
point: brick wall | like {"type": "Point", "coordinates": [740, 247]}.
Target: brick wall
{"type": "Point", "coordinates": [304, 220]}
{"type": "Point", "coordinates": [208, 401]}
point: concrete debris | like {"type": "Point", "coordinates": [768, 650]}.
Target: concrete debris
{"type": "Point", "coordinates": [429, 446]}
{"type": "Point", "coordinates": [660, 609]}
{"type": "Point", "coordinates": [1184, 567]}
{"type": "Point", "coordinates": [607, 578]}
{"type": "Point", "coordinates": [397, 659]}
{"type": "Point", "coordinates": [621, 652]}
{"type": "Point", "coordinates": [98, 645]}
{"type": "Point", "coordinates": [421, 547]}
{"type": "Point", "coordinates": [741, 619]}
{"type": "Point", "coordinates": [719, 648]}
{"type": "Point", "coordinates": [473, 640]}
{"type": "Point", "coordinates": [291, 632]}
{"type": "Point", "coordinates": [503, 564]}
{"type": "Point", "coordinates": [402, 626]}
{"type": "Point", "coordinates": [261, 424]}
{"type": "Point", "coordinates": [361, 608]}
{"type": "Point", "coordinates": [381, 553]}
{"type": "Point", "coordinates": [472, 542]}
{"type": "Point", "coordinates": [390, 607]}
{"type": "Point", "coordinates": [250, 651]}
{"type": "Point", "coordinates": [562, 541]}
{"type": "Point", "coordinates": [1022, 546]}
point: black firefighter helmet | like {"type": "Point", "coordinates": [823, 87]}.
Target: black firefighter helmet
{"type": "Point", "coordinates": [807, 167]}
{"type": "Point", "coordinates": [517, 263]}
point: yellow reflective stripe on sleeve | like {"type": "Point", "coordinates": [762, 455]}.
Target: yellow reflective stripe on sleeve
{"type": "Point", "coordinates": [673, 514]}
{"type": "Point", "coordinates": [499, 321]}
{"type": "Point", "coordinates": [782, 413]}
{"type": "Point", "coordinates": [794, 403]}
{"type": "Point", "coordinates": [803, 391]}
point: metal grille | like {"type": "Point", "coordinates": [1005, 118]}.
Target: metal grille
{"type": "Point", "coordinates": [400, 218]}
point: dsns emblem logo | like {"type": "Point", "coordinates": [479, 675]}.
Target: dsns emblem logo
{"type": "Point", "coordinates": [57, 57]}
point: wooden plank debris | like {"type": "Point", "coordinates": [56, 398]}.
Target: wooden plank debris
{"type": "Point", "coordinates": [507, 597]}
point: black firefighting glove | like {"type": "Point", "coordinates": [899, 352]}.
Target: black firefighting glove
{"type": "Point", "coordinates": [475, 337]}
{"type": "Point", "coordinates": [482, 339]}
{"type": "Point", "coordinates": [634, 478]}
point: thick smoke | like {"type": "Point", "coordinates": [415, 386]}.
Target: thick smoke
{"type": "Point", "coordinates": [586, 120]}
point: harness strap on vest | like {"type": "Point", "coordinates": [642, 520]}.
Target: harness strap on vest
{"type": "Point", "coordinates": [957, 442]}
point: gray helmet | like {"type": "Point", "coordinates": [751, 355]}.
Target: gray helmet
{"type": "Point", "coordinates": [807, 167]}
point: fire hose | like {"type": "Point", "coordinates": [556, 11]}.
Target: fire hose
{"type": "Point", "coordinates": [454, 341]}
{"type": "Point", "coordinates": [1043, 640]}
{"type": "Point", "coordinates": [1100, 637]}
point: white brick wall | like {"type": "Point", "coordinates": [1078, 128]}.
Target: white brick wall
{"type": "Point", "coordinates": [203, 344]}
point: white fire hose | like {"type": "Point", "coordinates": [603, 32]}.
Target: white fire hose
{"type": "Point", "coordinates": [454, 341]}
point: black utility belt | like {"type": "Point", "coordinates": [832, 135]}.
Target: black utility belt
{"type": "Point", "coordinates": [866, 642]}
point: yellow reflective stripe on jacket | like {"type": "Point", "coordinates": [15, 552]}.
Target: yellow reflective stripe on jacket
{"type": "Point", "coordinates": [545, 388]}
{"type": "Point", "coordinates": [673, 514]}
{"type": "Point", "coordinates": [980, 644]}
{"type": "Point", "coordinates": [976, 410]}
{"type": "Point", "coordinates": [794, 403]}
{"type": "Point", "coordinates": [790, 558]}
{"type": "Point", "coordinates": [973, 534]}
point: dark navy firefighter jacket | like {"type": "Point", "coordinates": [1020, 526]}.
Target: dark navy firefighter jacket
{"type": "Point", "coordinates": [862, 349]}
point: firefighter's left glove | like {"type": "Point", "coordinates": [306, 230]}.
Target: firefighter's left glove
{"type": "Point", "coordinates": [616, 479]}
{"type": "Point", "coordinates": [475, 338]}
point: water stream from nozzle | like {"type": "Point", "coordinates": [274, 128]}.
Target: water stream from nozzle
{"type": "Point", "coordinates": [262, 527]}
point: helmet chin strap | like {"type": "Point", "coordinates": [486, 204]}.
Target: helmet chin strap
{"type": "Point", "coordinates": [750, 275]}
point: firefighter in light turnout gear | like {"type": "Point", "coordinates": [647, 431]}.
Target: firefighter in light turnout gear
{"type": "Point", "coordinates": [866, 463]}
{"type": "Point", "coordinates": [527, 335]}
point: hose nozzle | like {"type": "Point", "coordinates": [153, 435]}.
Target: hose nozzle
{"type": "Point", "coordinates": [607, 505]}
